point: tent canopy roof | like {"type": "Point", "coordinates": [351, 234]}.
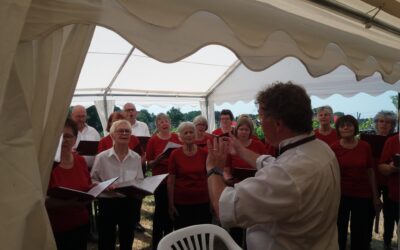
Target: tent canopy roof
{"type": "Point", "coordinates": [113, 66]}
{"type": "Point", "coordinates": [322, 34]}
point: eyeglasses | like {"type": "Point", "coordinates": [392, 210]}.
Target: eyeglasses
{"type": "Point", "coordinates": [130, 110]}
{"type": "Point", "coordinates": [123, 131]}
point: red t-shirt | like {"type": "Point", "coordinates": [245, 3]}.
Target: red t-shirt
{"type": "Point", "coordinates": [256, 146]}
{"type": "Point", "coordinates": [64, 219]}
{"type": "Point", "coordinates": [218, 131]}
{"type": "Point", "coordinates": [155, 146]}
{"type": "Point", "coordinates": [329, 138]}
{"type": "Point", "coordinates": [353, 169]}
{"type": "Point", "coordinates": [190, 177]}
{"type": "Point", "coordinates": [107, 143]}
{"type": "Point", "coordinates": [392, 147]}
{"type": "Point", "coordinates": [203, 143]}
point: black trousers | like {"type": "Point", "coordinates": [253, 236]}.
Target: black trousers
{"type": "Point", "coordinates": [139, 209]}
{"type": "Point", "coordinates": [115, 212]}
{"type": "Point", "coordinates": [162, 224]}
{"type": "Point", "coordinates": [190, 215]}
{"type": "Point", "coordinates": [75, 239]}
{"type": "Point", "coordinates": [392, 212]}
{"type": "Point", "coordinates": [358, 211]}
{"type": "Point", "coordinates": [238, 234]}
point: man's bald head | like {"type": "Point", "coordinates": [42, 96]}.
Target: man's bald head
{"type": "Point", "coordinates": [78, 114]}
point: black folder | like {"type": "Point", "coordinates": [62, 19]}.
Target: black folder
{"type": "Point", "coordinates": [87, 148]}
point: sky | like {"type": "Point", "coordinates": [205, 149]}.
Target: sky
{"type": "Point", "coordinates": [364, 104]}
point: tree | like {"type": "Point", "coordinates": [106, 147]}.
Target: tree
{"type": "Point", "coordinates": [176, 116]}
{"type": "Point", "coordinates": [395, 101]}
{"type": "Point", "coordinates": [191, 115]}
{"type": "Point", "coordinates": [217, 115]}
{"type": "Point", "coordinates": [366, 124]}
{"type": "Point", "coordinates": [93, 119]}
{"type": "Point", "coordinates": [146, 117]}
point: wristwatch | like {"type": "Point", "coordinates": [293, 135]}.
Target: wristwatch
{"type": "Point", "coordinates": [214, 170]}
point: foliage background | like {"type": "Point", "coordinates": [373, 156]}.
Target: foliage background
{"type": "Point", "coordinates": [177, 117]}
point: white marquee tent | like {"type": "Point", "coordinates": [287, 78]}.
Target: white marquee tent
{"type": "Point", "coordinates": [44, 44]}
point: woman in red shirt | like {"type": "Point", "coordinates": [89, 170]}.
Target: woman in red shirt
{"type": "Point", "coordinates": [201, 136]}
{"type": "Point", "coordinates": [189, 202]}
{"type": "Point", "coordinates": [158, 162]}
{"type": "Point", "coordinates": [359, 198]}
{"type": "Point", "coordinates": [244, 133]}
{"type": "Point", "coordinates": [69, 218]}
{"type": "Point", "coordinates": [325, 132]}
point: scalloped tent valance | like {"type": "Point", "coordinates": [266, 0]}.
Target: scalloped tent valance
{"type": "Point", "coordinates": [259, 32]}
{"type": "Point", "coordinates": [43, 44]}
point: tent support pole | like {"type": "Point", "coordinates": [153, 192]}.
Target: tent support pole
{"type": "Point", "coordinates": [398, 109]}
{"type": "Point", "coordinates": [108, 89]}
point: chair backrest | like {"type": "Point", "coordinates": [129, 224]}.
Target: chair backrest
{"type": "Point", "coordinates": [197, 237]}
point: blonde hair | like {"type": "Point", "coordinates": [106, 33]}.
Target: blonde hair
{"type": "Point", "coordinates": [200, 120]}
{"type": "Point", "coordinates": [162, 116]}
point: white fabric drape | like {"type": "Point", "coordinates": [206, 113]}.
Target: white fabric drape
{"type": "Point", "coordinates": [36, 97]}
{"type": "Point", "coordinates": [103, 115]}
{"type": "Point", "coordinates": [211, 116]}
{"type": "Point", "coordinates": [12, 19]}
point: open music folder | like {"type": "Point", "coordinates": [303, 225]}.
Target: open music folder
{"type": "Point", "coordinates": [65, 193]}
{"type": "Point", "coordinates": [141, 187]}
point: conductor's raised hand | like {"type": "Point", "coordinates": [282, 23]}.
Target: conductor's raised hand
{"type": "Point", "coordinates": [217, 152]}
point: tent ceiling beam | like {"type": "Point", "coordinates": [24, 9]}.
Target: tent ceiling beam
{"type": "Point", "coordinates": [364, 17]}
{"type": "Point", "coordinates": [221, 79]}
{"type": "Point", "coordinates": [114, 79]}
{"type": "Point", "coordinates": [143, 95]}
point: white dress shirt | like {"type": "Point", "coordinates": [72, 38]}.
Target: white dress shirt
{"type": "Point", "coordinates": [87, 134]}
{"type": "Point", "coordinates": [140, 129]}
{"type": "Point", "coordinates": [291, 203]}
{"type": "Point", "coordinates": [107, 166]}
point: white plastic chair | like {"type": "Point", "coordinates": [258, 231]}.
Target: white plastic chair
{"type": "Point", "coordinates": [197, 237]}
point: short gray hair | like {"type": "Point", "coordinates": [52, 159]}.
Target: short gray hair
{"type": "Point", "coordinates": [385, 114]}
{"type": "Point", "coordinates": [117, 123]}
{"type": "Point", "coordinates": [184, 125]}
